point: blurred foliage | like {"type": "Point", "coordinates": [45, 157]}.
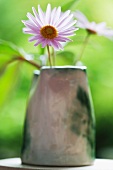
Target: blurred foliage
{"type": "Point", "coordinates": [15, 80]}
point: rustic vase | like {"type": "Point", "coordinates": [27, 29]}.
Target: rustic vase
{"type": "Point", "coordinates": [59, 125]}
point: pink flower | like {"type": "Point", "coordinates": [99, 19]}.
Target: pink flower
{"type": "Point", "coordinates": [51, 27]}
{"type": "Point", "coordinates": [92, 27]}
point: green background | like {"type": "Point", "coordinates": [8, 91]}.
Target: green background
{"type": "Point", "coordinates": [16, 80]}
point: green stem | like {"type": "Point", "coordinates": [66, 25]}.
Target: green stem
{"type": "Point", "coordinates": [53, 54]}
{"type": "Point", "coordinates": [49, 55]}
{"type": "Point", "coordinates": [83, 47]}
{"type": "Point", "coordinates": [19, 58]}
{"type": "Point", "coordinates": [30, 62]}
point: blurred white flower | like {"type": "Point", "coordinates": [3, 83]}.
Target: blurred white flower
{"type": "Point", "coordinates": [93, 28]}
{"type": "Point", "coordinates": [43, 59]}
{"type": "Point", "coordinates": [26, 55]}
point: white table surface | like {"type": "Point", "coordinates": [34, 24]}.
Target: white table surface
{"type": "Point", "coordinates": [15, 164]}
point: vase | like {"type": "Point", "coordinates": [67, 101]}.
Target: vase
{"type": "Point", "coordinates": [59, 125]}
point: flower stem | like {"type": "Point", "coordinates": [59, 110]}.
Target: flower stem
{"type": "Point", "coordinates": [29, 62]}
{"type": "Point", "coordinates": [49, 55]}
{"type": "Point", "coordinates": [18, 58]}
{"type": "Point", "coordinates": [85, 42]}
{"type": "Point", "coordinates": [53, 54]}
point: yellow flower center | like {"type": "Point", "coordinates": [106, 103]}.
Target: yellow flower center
{"type": "Point", "coordinates": [49, 32]}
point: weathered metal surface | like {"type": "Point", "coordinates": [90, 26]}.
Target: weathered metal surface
{"type": "Point", "coordinates": [59, 126]}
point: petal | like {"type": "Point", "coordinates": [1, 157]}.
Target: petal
{"type": "Point", "coordinates": [32, 27]}
{"type": "Point", "coordinates": [48, 41]}
{"type": "Point", "coordinates": [64, 15]}
{"type": "Point", "coordinates": [37, 17]}
{"type": "Point", "coordinates": [62, 39]}
{"type": "Point", "coordinates": [28, 31]}
{"type": "Point", "coordinates": [67, 34]}
{"type": "Point", "coordinates": [29, 23]}
{"type": "Point", "coordinates": [52, 16]}
{"type": "Point", "coordinates": [101, 26]}
{"type": "Point", "coordinates": [32, 19]}
{"type": "Point", "coordinates": [33, 38]}
{"type": "Point", "coordinates": [44, 43]}
{"type": "Point", "coordinates": [108, 33]}
{"type": "Point", "coordinates": [57, 15]}
{"type": "Point", "coordinates": [92, 26]}
{"type": "Point", "coordinates": [81, 25]}
{"type": "Point", "coordinates": [41, 15]}
{"type": "Point", "coordinates": [48, 14]}
{"type": "Point", "coordinates": [39, 41]}
{"type": "Point", "coordinates": [72, 29]}
{"type": "Point", "coordinates": [67, 26]}
{"type": "Point", "coordinates": [65, 22]}
{"type": "Point", "coordinates": [81, 17]}
{"type": "Point", "coordinates": [56, 45]}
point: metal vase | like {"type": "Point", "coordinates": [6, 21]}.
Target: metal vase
{"type": "Point", "coordinates": [59, 125]}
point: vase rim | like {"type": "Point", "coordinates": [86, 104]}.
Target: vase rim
{"type": "Point", "coordinates": [37, 72]}
{"type": "Point", "coordinates": [67, 66]}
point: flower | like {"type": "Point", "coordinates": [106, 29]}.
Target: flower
{"type": "Point", "coordinates": [43, 59]}
{"type": "Point", "coordinates": [50, 28]}
{"type": "Point", "coordinates": [92, 27]}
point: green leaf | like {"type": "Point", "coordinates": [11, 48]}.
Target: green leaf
{"type": "Point", "coordinates": [8, 51]}
{"type": "Point", "coordinates": [11, 58]}
{"type": "Point", "coordinates": [65, 58]}
{"type": "Point", "coordinates": [8, 81]}
{"type": "Point", "coordinates": [9, 72]}
{"type": "Point", "coordinates": [68, 4]}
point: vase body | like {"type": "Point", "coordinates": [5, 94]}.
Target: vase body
{"type": "Point", "coordinates": [59, 125]}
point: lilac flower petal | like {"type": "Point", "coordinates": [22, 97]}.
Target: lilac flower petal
{"type": "Point", "coordinates": [66, 21]}
{"type": "Point", "coordinates": [56, 45]}
{"type": "Point", "coordinates": [51, 27]}
{"type": "Point", "coordinates": [81, 25]}
{"type": "Point", "coordinates": [67, 26]}
{"type": "Point", "coordinates": [32, 27]}
{"type": "Point", "coordinates": [27, 22]}
{"type": "Point", "coordinates": [37, 17]}
{"type": "Point", "coordinates": [58, 13]}
{"type": "Point", "coordinates": [59, 46]}
{"type": "Point", "coordinates": [32, 18]}
{"type": "Point", "coordinates": [64, 16]}
{"type": "Point", "coordinates": [69, 30]}
{"type": "Point", "coordinates": [30, 23]}
{"type": "Point", "coordinates": [28, 31]}
{"type": "Point", "coordinates": [41, 15]}
{"type": "Point", "coordinates": [44, 43]}
{"type": "Point", "coordinates": [62, 39]}
{"type": "Point", "coordinates": [52, 16]}
{"type": "Point", "coordinates": [66, 34]}
{"type": "Point", "coordinates": [34, 38]}
{"type": "Point", "coordinates": [48, 41]}
{"type": "Point", "coordinates": [39, 41]}
{"type": "Point", "coordinates": [48, 14]}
